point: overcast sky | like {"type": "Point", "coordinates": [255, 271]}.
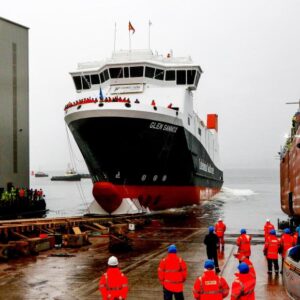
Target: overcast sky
{"type": "Point", "coordinates": [249, 51]}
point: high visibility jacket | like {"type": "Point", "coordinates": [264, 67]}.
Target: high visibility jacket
{"type": "Point", "coordinates": [243, 242]}
{"type": "Point", "coordinates": [243, 287]}
{"type": "Point", "coordinates": [250, 265]}
{"type": "Point", "coordinates": [271, 248]}
{"type": "Point", "coordinates": [220, 229]}
{"type": "Point", "coordinates": [172, 273]}
{"type": "Point", "coordinates": [296, 235]}
{"type": "Point", "coordinates": [286, 242]}
{"type": "Point", "coordinates": [113, 284]}
{"type": "Point", "coordinates": [268, 226]}
{"type": "Point", "coordinates": [210, 286]}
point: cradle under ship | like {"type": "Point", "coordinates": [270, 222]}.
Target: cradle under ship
{"type": "Point", "coordinates": [135, 125]}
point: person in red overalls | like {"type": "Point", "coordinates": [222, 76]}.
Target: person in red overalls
{"type": "Point", "coordinates": [243, 242]}
{"type": "Point", "coordinates": [271, 250]}
{"type": "Point", "coordinates": [296, 236]}
{"type": "Point", "coordinates": [220, 229]}
{"type": "Point", "coordinates": [210, 285]}
{"type": "Point", "coordinates": [113, 284]}
{"type": "Point", "coordinates": [172, 273]}
{"type": "Point", "coordinates": [243, 258]}
{"type": "Point", "coordinates": [244, 284]}
{"type": "Point", "coordinates": [286, 242]}
{"type": "Point", "coordinates": [267, 228]}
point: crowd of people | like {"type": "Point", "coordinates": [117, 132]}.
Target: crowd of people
{"type": "Point", "coordinates": [172, 269]}
{"type": "Point", "coordinates": [105, 100]}
{"type": "Point", "coordinates": [15, 200]}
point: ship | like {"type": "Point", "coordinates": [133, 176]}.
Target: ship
{"type": "Point", "coordinates": [135, 125]}
{"type": "Point", "coordinates": [41, 174]}
{"type": "Point", "coordinates": [289, 170]}
{"type": "Point", "coordinates": [290, 203]}
{"type": "Point", "coordinates": [70, 175]}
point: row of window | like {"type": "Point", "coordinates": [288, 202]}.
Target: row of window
{"type": "Point", "coordinates": [182, 77]}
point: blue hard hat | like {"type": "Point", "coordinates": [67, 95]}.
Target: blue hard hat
{"type": "Point", "coordinates": [172, 249]}
{"type": "Point", "coordinates": [211, 228]}
{"type": "Point", "coordinates": [243, 268]}
{"type": "Point", "coordinates": [243, 231]}
{"type": "Point", "coordinates": [209, 264]}
{"type": "Point", "coordinates": [272, 232]}
{"type": "Point", "coordinates": [298, 229]}
{"type": "Point", "coordinates": [287, 231]}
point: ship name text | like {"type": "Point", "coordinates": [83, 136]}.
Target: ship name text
{"type": "Point", "coordinates": [205, 167]}
{"type": "Point", "coordinates": [163, 127]}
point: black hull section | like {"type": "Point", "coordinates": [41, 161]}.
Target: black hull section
{"type": "Point", "coordinates": [137, 152]}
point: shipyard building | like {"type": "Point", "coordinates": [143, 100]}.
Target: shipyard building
{"type": "Point", "coordinates": [14, 104]}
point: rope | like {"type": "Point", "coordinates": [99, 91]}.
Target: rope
{"type": "Point", "coordinates": [78, 185]}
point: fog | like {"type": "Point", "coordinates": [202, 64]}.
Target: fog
{"type": "Point", "coordinates": [249, 52]}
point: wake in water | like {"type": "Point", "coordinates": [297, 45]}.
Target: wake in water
{"type": "Point", "coordinates": [229, 194]}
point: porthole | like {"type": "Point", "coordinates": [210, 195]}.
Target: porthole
{"type": "Point", "coordinates": [100, 104]}
{"type": "Point", "coordinates": [79, 106]}
{"type": "Point", "coordinates": [155, 177]}
{"type": "Point", "coordinates": [164, 178]}
{"type": "Point", "coordinates": [144, 177]}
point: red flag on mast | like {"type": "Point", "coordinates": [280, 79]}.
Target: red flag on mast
{"type": "Point", "coordinates": [130, 27]}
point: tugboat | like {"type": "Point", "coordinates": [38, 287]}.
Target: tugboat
{"type": "Point", "coordinates": [137, 130]}
{"type": "Point", "coordinates": [40, 174]}
{"type": "Point", "coordinates": [70, 175]}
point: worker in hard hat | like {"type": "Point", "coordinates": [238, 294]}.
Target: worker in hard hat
{"type": "Point", "coordinates": [271, 249]}
{"type": "Point", "coordinates": [244, 284]}
{"type": "Point", "coordinates": [220, 229]}
{"type": "Point", "coordinates": [244, 243]}
{"type": "Point", "coordinates": [267, 228]}
{"type": "Point", "coordinates": [242, 258]}
{"type": "Point", "coordinates": [286, 242]}
{"type": "Point", "coordinates": [297, 236]}
{"type": "Point", "coordinates": [210, 285]}
{"type": "Point", "coordinates": [172, 273]}
{"type": "Point", "coordinates": [113, 283]}
{"type": "Point", "coordinates": [211, 241]}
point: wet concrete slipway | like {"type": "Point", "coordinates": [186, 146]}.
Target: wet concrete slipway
{"type": "Point", "coordinates": [77, 276]}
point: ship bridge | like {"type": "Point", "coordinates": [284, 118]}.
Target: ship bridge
{"type": "Point", "coordinates": [127, 72]}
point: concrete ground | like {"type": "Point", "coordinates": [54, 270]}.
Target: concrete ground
{"type": "Point", "coordinates": [76, 277]}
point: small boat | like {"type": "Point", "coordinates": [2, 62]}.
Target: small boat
{"type": "Point", "coordinates": [291, 272]}
{"type": "Point", "coordinates": [70, 175]}
{"type": "Point", "coordinates": [41, 174]}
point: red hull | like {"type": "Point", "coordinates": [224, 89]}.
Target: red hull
{"type": "Point", "coordinates": [109, 196]}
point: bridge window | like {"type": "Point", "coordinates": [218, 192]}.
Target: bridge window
{"type": "Point", "coordinates": [86, 82]}
{"type": "Point", "coordinates": [95, 79]}
{"type": "Point", "coordinates": [159, 74]}
{"type": "Point", "coordinates": [126, 72]}
{"type": "Point", "coordinates": [77, 82]}
{"type": "Point", "coordinates": [136, 71]}
{"type": "Point", "coordinates": [149, 72]}
{"type": "Point", "coordinates": [116, 72]}
{"type": "Point", "coordinates": [170, 75]}
{"type": "Point", "coordinates": [104, 76]}
{"type": "Point", "coordinates": [197, 78]}
{"type": "Point", "coordinates": [191, 76]}
{"type": "Point", "coordinates": [181, 77]}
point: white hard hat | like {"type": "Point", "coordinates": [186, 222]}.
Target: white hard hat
{"type": "Point", "coordinates": [112, 261]}
{"type": "Point", "coordinates": [220, 219]}
{"type": "Point", "coordinates": [268, 220]}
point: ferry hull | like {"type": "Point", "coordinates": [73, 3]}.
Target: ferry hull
{"type": "Point", "coordinates": [110, 196]}
{"type": "Point", "coordinates": [161, 164]}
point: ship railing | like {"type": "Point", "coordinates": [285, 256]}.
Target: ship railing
{"type": "Point", "coordinates": [101, 102]}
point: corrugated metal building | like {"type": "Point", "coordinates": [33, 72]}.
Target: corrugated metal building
{"type": "Point", "coordinates": [14, 104]}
